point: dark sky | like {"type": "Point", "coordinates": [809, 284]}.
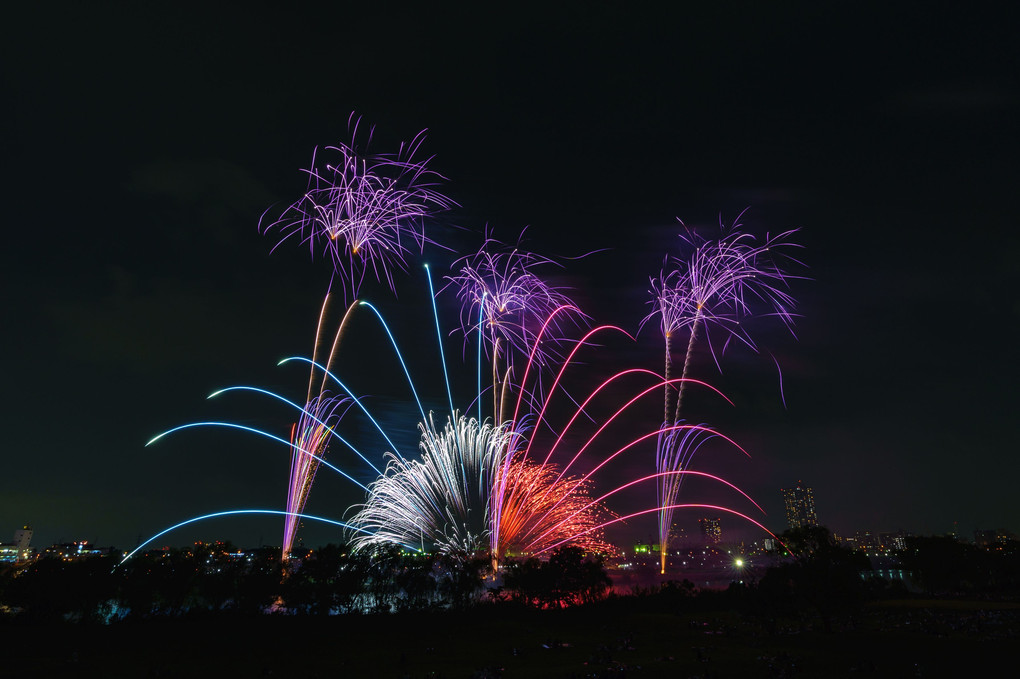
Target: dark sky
{"type": "Point", "coordinates": [141, 147]}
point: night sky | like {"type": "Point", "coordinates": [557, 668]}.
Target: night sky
{"type": "Point", "coordinates": [141, 146]}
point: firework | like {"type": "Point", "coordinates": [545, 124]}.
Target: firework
{"type": "Point", "coordinates": [312, 432]}
{"type": "Point", "coordinates": [364, 211]}
{"type": "Point", "coordinates": [447, 499]}
{"type": "Point", "coordinates": [674, 450]}
{"type": "Point", "coordinates": [541, 507]}
{"type": "Point", "coordinates": [440, 499]}
{"type": "Point", "coordinates": [504, 302]}
{"type": "Point", "coordinates": [477, 485]}
{"type": "Point", "coordinates": [713, 290]}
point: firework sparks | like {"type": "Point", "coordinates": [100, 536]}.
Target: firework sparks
{"type": "Point", "coordinates": [541, 507]}
{"type": "Point", "coordinates": [447, 500]}
{"type": "Point", "coordinates": [439, 501]}
{"type": "Point", "coordinates": [499, 285]}
{"type": "Point", "coordinates": [714, 289]}
{"type": "Point", "coordinates": [504, 303]}
{"type": "Point", "coordinates": [364, 211]}
{"type": "Point", "coordinates": [312, 432]}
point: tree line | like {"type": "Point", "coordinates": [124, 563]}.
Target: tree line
{"type": "Point", "coordinates": [331, 580]}
{"type": "Point", "coordinates": [824, 579]}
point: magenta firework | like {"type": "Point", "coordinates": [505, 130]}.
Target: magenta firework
{"type": "Point", "coordinates": [364, 212]}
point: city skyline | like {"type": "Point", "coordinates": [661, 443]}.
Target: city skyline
{"type": "Point", "coordinates": [798, 501]}
{"type": "Point", "coordinates": [136, 282]}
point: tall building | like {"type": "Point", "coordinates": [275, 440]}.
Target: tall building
{"type": "Point", "coordinates": [23, 537]}
{"type": "Point", "coordinates": [711, 530]}
{"type": "Point", "coordinates": [800, 506]}
{"type": "Point", "coordinates": [20, 549]}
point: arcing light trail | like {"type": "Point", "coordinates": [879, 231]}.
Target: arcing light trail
{"type": "Point", "coordinates": [609, 420]}
{"type": "Point", "coordinates": [610, 380]}
{"type": "Point", "coordinates": [400, 357]}
{"type": "Point", "coordinates": [646, 437]}
{"type": "Point", "coordinates": [331, 430]}
{"type": "Point", "coordinates": [232, 512]}
{"type": "Point", "coordinates": [289, 444]}
{"type": "Point", "coordinates": [505, 492]}
{"type": "Point", "coordinates": [355, 399]}
{"type": "Point", "coordinates": [439, 335]}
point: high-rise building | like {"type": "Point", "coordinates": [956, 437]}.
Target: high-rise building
{"type": "Point", "coordinates": [800, 506]}
{"type": "Point", "coordinates": [711, 530]}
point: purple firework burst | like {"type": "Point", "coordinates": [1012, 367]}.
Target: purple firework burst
{"type": "Point", "coordinates": [498, 289]}
{"type": "Point", "coordinates": [508, 306]}
{"type": "Point", "coordinates": [364, 211]}
{"type": "Point", "coordinates": [717, 287]}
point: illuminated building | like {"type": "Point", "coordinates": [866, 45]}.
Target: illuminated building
{"type": "Point", "coordinates": [20, 549]}
{"type": "Point", "coordinates": [990, 538]}
{"type": "Point", "coordinates": [866, 541]}
{"type": "Point", "coordinates": [800, 506]}
{"type": "Point", "coordinates": [711, 530]}
{"type": "Point", "coordinates": [74, 551]}
{"type": "Point", "coordinates": [892, 541]}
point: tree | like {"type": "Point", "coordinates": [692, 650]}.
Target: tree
{"type": "Point", "coordinates": [568, 578]}
{"type": "Point", "coordinates": [824, 577]}
{"type": "Point", "coordinates": [944, 564]}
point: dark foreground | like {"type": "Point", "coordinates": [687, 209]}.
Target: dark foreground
{"type": "Point", "coordinates": [617, 638]}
